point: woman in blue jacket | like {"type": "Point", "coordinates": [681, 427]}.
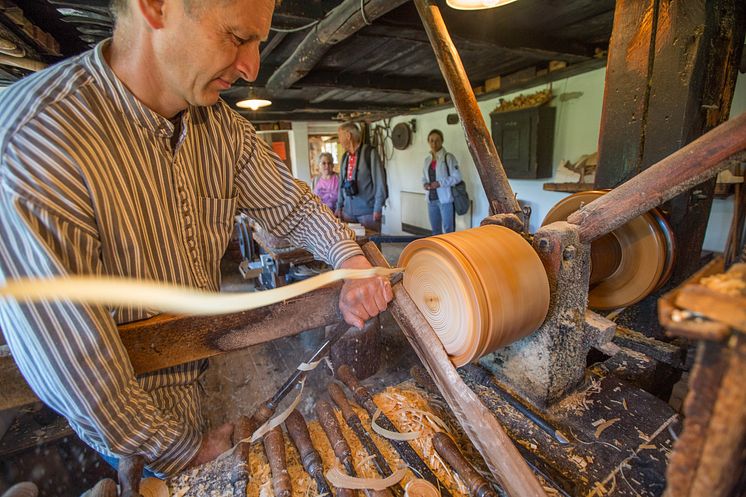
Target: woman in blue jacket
{"type": "Point", "coordinates": [439, 174]}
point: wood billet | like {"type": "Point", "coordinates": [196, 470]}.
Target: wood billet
{"type": "Point", "coordinates": [480, 425]}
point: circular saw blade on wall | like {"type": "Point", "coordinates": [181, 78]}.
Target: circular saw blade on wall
{"type": "Point", "coordinates": [401, 136]}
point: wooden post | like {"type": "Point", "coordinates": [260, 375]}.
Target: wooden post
{"type": "Point", "coordinates": [342, 22]}
{"type": "Point", "coordinates": [478, 138]}
{"type": "Point", "coordinates": [670, 78]}
{"type": "Point", "coordinates": [483, 429]}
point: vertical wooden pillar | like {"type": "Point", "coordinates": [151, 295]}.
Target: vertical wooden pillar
{"type": "Point", "coordinates": [670, 78]}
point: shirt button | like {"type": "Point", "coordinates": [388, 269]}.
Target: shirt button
{"type": "Point", "coordinates": [191, 244]}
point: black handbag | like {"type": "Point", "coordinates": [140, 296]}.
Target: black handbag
{"type": "Point", "coordinates": [461, 201]}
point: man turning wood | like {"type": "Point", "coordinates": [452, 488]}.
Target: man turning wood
{"type": "Point", "coordinates": [124, 161]}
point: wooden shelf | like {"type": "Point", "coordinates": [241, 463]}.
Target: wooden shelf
{"type": "Point", "coordinates": [571, 187]}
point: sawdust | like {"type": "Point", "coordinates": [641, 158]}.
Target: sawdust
{"type": "Point", "coordinates": [732, 283]}
{"type": "Point", "coordinates": [409, 410]}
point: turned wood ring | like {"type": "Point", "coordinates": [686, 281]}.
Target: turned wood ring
{"type": "Point", "coordinates": [627, 264]}
{"type": "Point", "coordinates": [480, 289]}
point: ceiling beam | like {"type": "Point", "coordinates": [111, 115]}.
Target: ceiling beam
{"type": "Point", "coordinates": [535, 47]}
{"type": "Point", "coordinates": [341, 23]}
{"type": "Point", "coordinates": [374, 82]}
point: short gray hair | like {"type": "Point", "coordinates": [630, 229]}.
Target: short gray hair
{"type": "Point", "coordinates": [352, 129]}
{"type": "Point", "coordinates": [327, 155]}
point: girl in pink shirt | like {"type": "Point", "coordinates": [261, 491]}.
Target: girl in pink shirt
{"type": "Point", "coordinates": [327, 183]}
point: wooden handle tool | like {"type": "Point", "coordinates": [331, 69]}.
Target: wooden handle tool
{"type": "Point", "coordinates": [298, 431]}
{"type": "Point", "coordinates": [405, 451]}
{"type": "Point", "coordinates": [353, 421]}
{"type": "Point", "coordinates": [478, 486]}
{"type": "Point", "coordinates": [274, 447]}
{"type": "Point", "coordinates": [330, 425]}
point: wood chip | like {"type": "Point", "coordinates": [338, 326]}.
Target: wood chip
{"type": "Point", "coordinates": [605, 425]}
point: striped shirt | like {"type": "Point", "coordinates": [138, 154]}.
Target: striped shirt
{"type": "Point", "coordinates": [92, 183]}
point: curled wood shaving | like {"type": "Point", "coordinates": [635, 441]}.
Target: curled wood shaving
{"type": "Point", "coordinates": [392, 435]}
{"type": "Point", "coordinates": [340, 480]}
{"type": "Point", "coordinates": [605, 425]}
{"type": "Point", "coordinates": [166, 297]}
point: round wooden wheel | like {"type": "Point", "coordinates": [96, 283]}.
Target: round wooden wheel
{"type": "Point", "coordinates": [480, 289]}
{"type": "Point", "coordinates": [627, 264]}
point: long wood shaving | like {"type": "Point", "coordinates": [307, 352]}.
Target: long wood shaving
{"type": "Point", "coordinates": [340, 480]}
{"type": "Point", "coordinates": [392, 435]}
{"type": "Point", "coordinates": [164, 297]}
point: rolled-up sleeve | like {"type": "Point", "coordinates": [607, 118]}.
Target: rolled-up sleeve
{"type": "Point", "coordinates": [286, 207]}
{"type": "Point", "coordinates": [71, 355]}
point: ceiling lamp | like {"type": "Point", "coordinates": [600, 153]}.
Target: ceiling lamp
{"type": "Point", "coordinates": [252, 102]}
{"type": "Point", "coordinates": [477, 4]}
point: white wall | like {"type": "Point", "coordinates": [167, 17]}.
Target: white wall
{"type": "Point", "coordinates": [722, 209]}
{"type": "Point", "coordinates": [576, 133]}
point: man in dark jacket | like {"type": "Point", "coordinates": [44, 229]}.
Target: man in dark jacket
{"type": "Point", "coordinates": [362, 187]}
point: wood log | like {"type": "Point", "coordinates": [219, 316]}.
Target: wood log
{"type": "Point", "coordinates": [488, 436]}
{"type": "Point", "coordinates": [677, 173]}
{"type": "Point", "coordinates": [164, 341]}
{"type": "Point", "coordinates": [478, 138]}
{"type": "Point", "coordinates": [341, 22]}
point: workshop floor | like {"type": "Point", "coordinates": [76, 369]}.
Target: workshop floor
{"type": "Point", "coordinates": [238, 382]}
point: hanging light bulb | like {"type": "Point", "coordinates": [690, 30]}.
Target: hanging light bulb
{"type": "Point", "coordinates": [477, 4]}
{"type": "Point", "coordinates": [252, 102]}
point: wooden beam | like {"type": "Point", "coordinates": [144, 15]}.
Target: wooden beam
{"type": "Point", "coordinates": [341, 23]}
{"type": "Point", "coordinates": [468, 41]}
{"type": "Point", "coordinates": [478, 138]}
{"type": "Point", "coordinates": [481, 426]}
{"type": "Point", "coordinates": [371, 81]}
{"type": "Point", "coordinates": [164, 341]}
{"type": "Point", "coordinates": [271, 45]}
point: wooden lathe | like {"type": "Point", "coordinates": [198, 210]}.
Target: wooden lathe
{"type": "Point", "coordinates": [546, 370]}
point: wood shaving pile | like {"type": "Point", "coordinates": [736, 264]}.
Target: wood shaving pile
{"type": "Point", "coordinates": [408, 409]}
{"type": "Point", "coordinates": [732, 283]}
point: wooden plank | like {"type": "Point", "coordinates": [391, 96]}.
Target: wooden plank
{"type": "Point", "coordinates": [341, 23]}
{"type": "Point", "coordinates": [370, 81]}
{"type": "Point", "coordinates": [494, 180]}
{"type": "Point", "coordinates": [717, 306]}
{"type": "Point", "coordinates": [708, 458]}
{"type": "Point", "coordinates": [481, 426]}
{"type": "Point", "coordinates": [164, 341]}
{"type": "Point", "coordinates": [570, 187]}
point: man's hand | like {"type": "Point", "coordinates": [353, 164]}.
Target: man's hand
{"type": "Point", "coordinates": [376, 216]}
{"type": "Point", "coordinates": [360, 300]}
{"type": "Point", "coordinates": [214, 443]}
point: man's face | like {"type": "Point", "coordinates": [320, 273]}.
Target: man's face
{"type": "Point", "coordinates": [203, 52]}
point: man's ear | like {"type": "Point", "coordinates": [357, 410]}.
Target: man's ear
{"type": "Point", "coordinates": [153, 11]}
